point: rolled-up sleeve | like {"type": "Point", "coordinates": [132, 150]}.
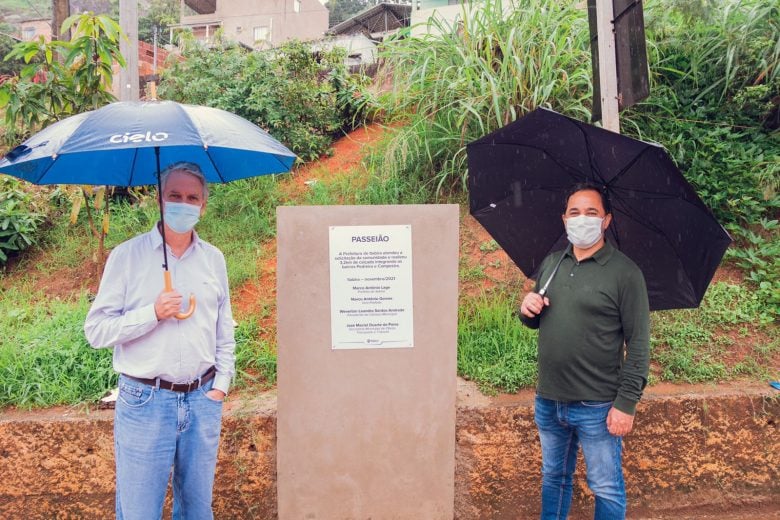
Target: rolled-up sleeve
{"type": "Point", "coordinates": [226, 344]}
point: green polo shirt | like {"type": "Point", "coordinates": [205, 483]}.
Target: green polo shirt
{"type": "Point", "coordinates": [594, 337]}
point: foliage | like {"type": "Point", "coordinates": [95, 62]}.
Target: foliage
{"type": "Point", "coordinates": [759, 256]}
{"type": "Point", "coordinates": [711, 55]}
{"type": "Point", "coordinates": [240, 215]}
{"type": "Point", "coordinates": [159, 14]}
{"type": "Point", "coordinates": [340, 10]}
{"type": "Point", "coordinates": [289, 91]}
{"type": "Point", "coordinates": [44, 358]}
{"type": "Point", "coordinates": [61, 78]}
{"type": "Point", "coordinates": [467, 78]}
{"type": "Point", "coordinates": [255, 358]}
{"type": "Point", "coordinates": [689, 345]}
{"type": "Point", "coordinates": [18, 223]}
{"type": "Point", "coordinates": [715, 105]}
{"type": "Point", "coordinates": [714, 79]}
{"type": "Point", "coordinates": [494, 348]}
{"type": "Point", "coordinates": [6, 44]}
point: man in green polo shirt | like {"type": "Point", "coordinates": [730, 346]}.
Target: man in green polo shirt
{"type": "Point", "coordinates": [593, 323]}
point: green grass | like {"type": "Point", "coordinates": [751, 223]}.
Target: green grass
{"type": "Point", "coordinates": [472, 76]}
{"type": "Point", "coordinates": [44, 357]}
{"type": "Point", "coordinates": [494, 348]}
{"type": "Point", "coordinates": [690, 345]}
{"type": "Point", "coordinates": [34, 8]}
{"type": "Point", "coordinates": [255, 357]}
{"type": "Point", "coordinates": [240, 217]}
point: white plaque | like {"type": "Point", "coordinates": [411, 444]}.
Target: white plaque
{"type": "Point", "coordinates": [371, 287]}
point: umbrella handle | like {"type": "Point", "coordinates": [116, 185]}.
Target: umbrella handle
{"type": "Point", "coordinates": [169, 288]}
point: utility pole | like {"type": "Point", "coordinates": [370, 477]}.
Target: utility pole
{"type": "Point", "coordinates": [607, 65]}
{"type": "Point", "coordinates": [60, 10]}
{"type": "Point", "coordinates": [128, 76]}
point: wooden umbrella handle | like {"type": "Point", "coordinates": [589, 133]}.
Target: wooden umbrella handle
{"type": "Point", "coordinates": [169, 288]}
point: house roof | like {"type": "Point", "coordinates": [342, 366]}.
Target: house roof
{"type": "Point", "coordinates": [202, 6]}
{"type": "Point", "coordinates": [378, 19]}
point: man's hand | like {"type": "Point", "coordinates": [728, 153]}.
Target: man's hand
{"type": "Point", "coordinates": [619, 423]}
{"type": "Point", "coordinates": [533, 303]}
{"type": "Point", "coordinates": [167, 305]}
{"type": "Point", "coordinates": [217, 395]}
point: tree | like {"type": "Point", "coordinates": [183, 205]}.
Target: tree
{"type": "Point", "coordinates": [340, 10]}
{"type": "Point", "coordinates": [7, 42]}
{"type": "Point", "coordinates": [160, 14]}
{"type": "Point", "coordinates": [61, 78]}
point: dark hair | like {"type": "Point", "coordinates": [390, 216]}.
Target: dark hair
{"type": "Point", "coordinates": [589, 186]}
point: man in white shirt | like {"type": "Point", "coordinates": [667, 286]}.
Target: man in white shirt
{"type": "Point", "coordinates": [174, 373]}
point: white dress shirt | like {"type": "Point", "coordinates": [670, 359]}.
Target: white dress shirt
{"type": "Point", "coordinates": [122, 315]}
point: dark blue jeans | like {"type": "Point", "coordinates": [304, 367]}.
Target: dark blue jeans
{"type": "Point", "coordinates": [563, 427]}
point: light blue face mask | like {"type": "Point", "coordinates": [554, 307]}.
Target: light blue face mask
{"type": "Point", "coordinates": [181, 217]}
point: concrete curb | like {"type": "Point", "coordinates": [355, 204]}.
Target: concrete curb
{"type": "Point", "coordinates": [715, 448]}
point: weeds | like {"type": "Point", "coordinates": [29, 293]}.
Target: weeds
{"type": "Point", "coordinates": [469, 77]}
{"type": "Point", "coordinates": [494, 348]}
{"type": "Point", "coordinates": [44, 356]}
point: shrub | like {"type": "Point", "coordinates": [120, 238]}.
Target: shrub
{"type": "Point", "coordinates": [18, 223]}
{"type": "Point", "coordinates": [298, 96]}
{"type": "Point", "coordinates": [467, 78]}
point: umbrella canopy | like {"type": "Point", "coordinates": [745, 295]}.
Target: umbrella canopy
{"type": "Point", "coordinates": [124, 144]}
{"type": "Point", "coordinates": [519, 177]}
{"type": "Point", "coordinates": [115, 145]}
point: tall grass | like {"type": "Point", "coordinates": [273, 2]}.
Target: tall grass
{"type": "Point", "coordinates": [467, 78]}
{"type": "Point", "coordinates": [725, 46]}
{"type": "Point", "coordinates": [240, 218]}
{"type": "Point", "coordinates": [44, 357]}
{"type": "Point", "coordinates": [494, 348]}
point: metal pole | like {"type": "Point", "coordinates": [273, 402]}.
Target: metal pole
{"type": "Point", "coordinates": [610, 118]}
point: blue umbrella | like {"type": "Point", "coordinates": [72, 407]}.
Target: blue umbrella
{"type": "Point", "coordinates": [124, 143]}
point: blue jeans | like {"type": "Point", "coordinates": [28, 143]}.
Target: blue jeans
{"type": "Point", "coordinates": [156, 430]}
{"type": "Point", "coordinates": [563, 427]}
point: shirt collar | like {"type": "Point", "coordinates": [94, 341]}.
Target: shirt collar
{"type": "Point", "coordinates": [601, 256]}
{"type": "Point", "coordinates": [156, 237]}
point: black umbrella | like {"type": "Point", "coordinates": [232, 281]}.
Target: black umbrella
{"type": "Point", "coordinates": [519, 176]}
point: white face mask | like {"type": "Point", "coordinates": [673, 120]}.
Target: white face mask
{"type": "Point", "coordinates": [181, 217]}
{"type": "Point", "coordinates": [583, 231]}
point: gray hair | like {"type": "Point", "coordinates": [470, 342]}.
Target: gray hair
{"type": "Point", "coordinates": [187, 167]}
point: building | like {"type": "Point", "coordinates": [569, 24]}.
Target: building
{"type": "Point", "coordinates": [32, 29]}
{"type": "Point", "coordinates": [360, 34]}
{"type": "Point", "coordinates": [448, 11]}
{"type": "Point", "coordinates": [255, 24]}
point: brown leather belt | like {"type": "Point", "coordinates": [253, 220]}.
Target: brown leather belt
{"type": "Point", "coordinates": [207, 376]}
